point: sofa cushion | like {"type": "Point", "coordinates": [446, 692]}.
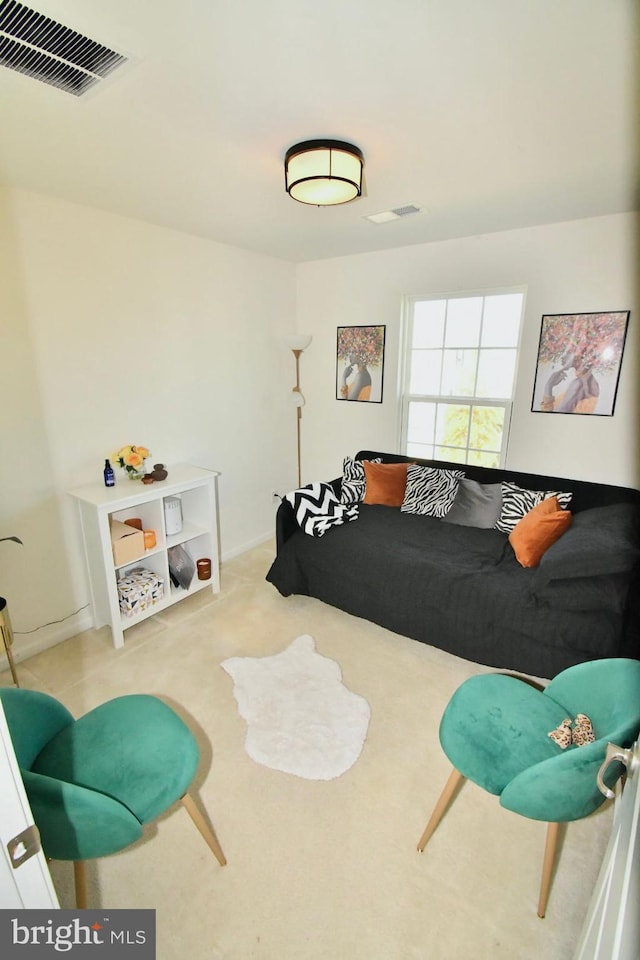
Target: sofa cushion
{"type": "Point", "coordinates": [353, 480]}
{"type": "Point", "coordinates": [385, 483]}
{"type": "Point", "coordinates": [476, 504]}
{"type": "Point", "coordinates": [516, 501]}
{"type": "Point", "coordinates": [583, 594]}
{"type": "Point", "coordinates": [601, 541]}
{"type": "Point", "coordinates": [538, 530]}
{"type": "Point", "coordinates": [430, 491]}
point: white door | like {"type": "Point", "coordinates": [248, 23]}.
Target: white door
{"type": "Point", "coordinates": [612, 928]}
{"type": "Point", "coordinates": [29, 884]}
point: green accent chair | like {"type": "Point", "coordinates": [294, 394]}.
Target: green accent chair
{"type": "Point", "coordinates": [495, 733]}
{"type": "Point", "coordinates": [93, 782]}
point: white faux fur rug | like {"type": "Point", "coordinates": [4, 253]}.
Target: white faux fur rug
{"type": "Point", "coordinates": [301, 718]}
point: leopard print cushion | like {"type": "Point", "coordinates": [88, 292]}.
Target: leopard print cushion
{"type": "Point", "coordinates": [562, 734]}
{"type": "Point", "coordinates": [582, 732]}
{"type": "Point", "coordinates": [578, 732]}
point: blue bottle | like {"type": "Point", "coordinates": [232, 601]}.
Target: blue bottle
{"type": "Point", "coordinates": [109, 475]}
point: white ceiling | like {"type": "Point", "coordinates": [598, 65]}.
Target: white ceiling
{"type": "Point", "coordinates": [489, 114]}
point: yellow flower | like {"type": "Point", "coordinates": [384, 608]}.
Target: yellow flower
{"type": "Point", "coordinates": [134, 460]}
{"type": "Point", "coordinates": [130, 457]}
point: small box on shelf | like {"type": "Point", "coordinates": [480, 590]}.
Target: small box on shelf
{"type": "Point", "coordinates": [138, 590]}
{"type": "Point", "coordinates": [127, 542]}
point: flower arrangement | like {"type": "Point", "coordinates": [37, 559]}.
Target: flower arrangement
{"type": "Point", "coordinates": [595, 340]}
{"type": "Point", "coordinates": [361, 345]}
{"type": "Point", "coordinates": [131, 459]}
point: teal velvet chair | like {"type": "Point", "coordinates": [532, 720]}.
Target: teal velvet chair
{"type": "Point", "coordinates": [93, 782]}
{"type": "Point", "coordinates": [495, 733]}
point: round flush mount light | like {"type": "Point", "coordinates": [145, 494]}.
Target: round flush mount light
{"type": "Point", "coordinates": [323, 172]}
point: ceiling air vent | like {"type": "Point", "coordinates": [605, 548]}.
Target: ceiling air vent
{"type": "Point", "coordinates": [387, 216]}
{"type": "Point", "coordinates": [46, 50]}
{"type": "Point", "coordinates": [405, 211]}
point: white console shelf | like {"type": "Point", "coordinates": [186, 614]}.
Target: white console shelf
{"type": "Point", "coordinates": [97, 504]}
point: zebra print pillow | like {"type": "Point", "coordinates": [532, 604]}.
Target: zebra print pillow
{"type": "Point", "coordinates": [516, 502]}
{"type": "Point", "coordinates": [430, 491]}
{"type": "Point", "coordinates": [317, 508]}
{"type": "Point", "coordinates": [353, 480]}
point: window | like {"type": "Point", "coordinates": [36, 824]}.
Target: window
{"type": "Point", "coordinates": [459, 375]}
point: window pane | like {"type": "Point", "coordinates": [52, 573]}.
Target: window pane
{"type": "Point", "coordinates": [487, 426]}
{"type": "Point", "coordinates": [496, 370]}
{"type": "Point", "coordinates": [421, 425]}
{"type": "Point", "coordinates": [501, 320]}
{"type": "Point", "coordinates": [428, 323]}
{"type": "Point", "coordinates": [479, 459]}
{"type": "Point", "coordinates": [459, 373]}
{"type": "Point", "coordinates": [423, 450]}
{"type": "Point", "coordinates": [456, 455]}
{"type": "Point", "coordinates": [463, 322]}
{"type": "Point", "coordinates": [452, 424]}
{"type": "Point", "coordinates": [425, 371]}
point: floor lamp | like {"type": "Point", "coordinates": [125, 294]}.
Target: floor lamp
{"type": "Point", "coordinates": [297, 343]}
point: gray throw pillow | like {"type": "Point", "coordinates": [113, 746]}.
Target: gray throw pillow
{"type": "Point", "coordinates": [476, 504]}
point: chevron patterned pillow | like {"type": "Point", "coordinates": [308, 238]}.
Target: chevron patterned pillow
{"type": "Point", "coordinates": [317, 508]}
{"type": "Point", "coordinates": [430, 491]}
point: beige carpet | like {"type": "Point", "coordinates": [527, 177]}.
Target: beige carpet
{"type": "Point", "coordinates": [319, 869]}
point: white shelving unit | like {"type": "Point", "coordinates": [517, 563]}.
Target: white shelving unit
{"type": "Point", "coordinates": [97, 504]}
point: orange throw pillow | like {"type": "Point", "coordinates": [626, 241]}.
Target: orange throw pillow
{"type": "Point", "coordinates": [385, 483]}
{"type": "Point", "coordinates": [537, 530]}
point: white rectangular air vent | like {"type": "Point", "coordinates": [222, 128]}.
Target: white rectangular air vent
{"type": "Point", "coordinates": [387, 216]}
{"type": "Point", "coordinates": [47, 50]}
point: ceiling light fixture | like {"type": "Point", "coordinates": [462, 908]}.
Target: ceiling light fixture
{"type": "Point", "coordinates": [323, 172]}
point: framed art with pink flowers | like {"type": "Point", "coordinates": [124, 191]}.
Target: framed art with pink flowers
{"type": "Point", "coordinates": [579, 360]}
{"type": "Point", "coordinates": [360, 363]}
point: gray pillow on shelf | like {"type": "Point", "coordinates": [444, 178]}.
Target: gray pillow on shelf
{"type": "Point", "coordinates": [476, 505]}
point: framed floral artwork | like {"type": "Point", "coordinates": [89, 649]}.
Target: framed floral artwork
{"type": "Point", "coordinates": [360, 363]}
{"type": "Point", "coordinates": [579, 358]}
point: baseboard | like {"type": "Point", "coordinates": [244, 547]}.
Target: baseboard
{"type": "Point", "coordinates": [28, 645]}
{"type": "Point", "coordinates": [236, 551]}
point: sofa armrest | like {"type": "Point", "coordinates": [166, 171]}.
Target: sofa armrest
{"type": "Point", "coordinates": [285, 523]}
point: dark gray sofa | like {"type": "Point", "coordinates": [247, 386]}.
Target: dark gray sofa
{"type": "Point", "coordinates": [461, 589]}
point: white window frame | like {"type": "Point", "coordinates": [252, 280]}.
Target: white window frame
{"type": "Point", "coordinates": [405, 398]}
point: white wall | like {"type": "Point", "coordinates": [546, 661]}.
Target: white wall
{"type": "Point", "coordinates": [581, 266]}
{"type": "Point", "coordinates": [116, 331]}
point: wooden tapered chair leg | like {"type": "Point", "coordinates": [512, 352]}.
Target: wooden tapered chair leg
{"type": "Point", "coordinates": [204, 828]}
{"type": "Point", "coordinates": [455, 778]}
{"type": "Point", "coordinates": [7, 637]}
{"type": "Point", "coordinates": [547, 866]}
{"type": "Point", "coordinates": [80, 881]}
